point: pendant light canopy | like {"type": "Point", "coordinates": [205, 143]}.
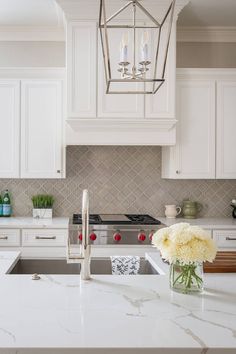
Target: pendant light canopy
{"type": "Point", "coordinates": [135, 46]}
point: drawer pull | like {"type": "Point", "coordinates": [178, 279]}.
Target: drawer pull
{"type": "Point", "coordinates": [45, 238]}
{"type": "Point", "coordinates": [230, 238]}
{"type": "Point", "coordinates": [3, 237]}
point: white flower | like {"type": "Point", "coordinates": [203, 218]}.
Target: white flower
{"type": "Point", "coordinates": [185, 243]}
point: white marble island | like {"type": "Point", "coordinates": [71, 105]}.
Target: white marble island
{"type": "Point", "coordinates": [115, 314]}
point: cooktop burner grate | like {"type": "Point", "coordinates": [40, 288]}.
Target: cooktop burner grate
{"type": "Point", "coordinates": [123, 219]}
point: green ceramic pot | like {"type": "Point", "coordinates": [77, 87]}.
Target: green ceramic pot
{"type": "Point", "coordinates": [191, 209]}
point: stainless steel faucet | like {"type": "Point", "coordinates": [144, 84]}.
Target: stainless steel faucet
{"type": "Point", "coordinates": [84, 256]}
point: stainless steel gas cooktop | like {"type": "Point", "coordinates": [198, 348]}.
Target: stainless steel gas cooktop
{"type": "Point", "coordinates": [111, 229]}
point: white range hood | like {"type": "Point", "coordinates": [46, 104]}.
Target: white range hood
{"type": "Point", "coordinates": [95, 118]}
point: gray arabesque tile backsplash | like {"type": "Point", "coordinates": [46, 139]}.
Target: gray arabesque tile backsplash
{"type": "Point", "coordinates": [120, 180]}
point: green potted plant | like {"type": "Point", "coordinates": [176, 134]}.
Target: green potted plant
{"type": "Point", "coordinates": [42, 206]}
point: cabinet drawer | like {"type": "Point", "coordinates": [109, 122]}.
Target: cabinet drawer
{"type": "Point", "coordinates": [34, 237]}
{"type": "Point", "coordinates": [225, 238]}
{"type": "Point", "coordinates": [9, 237]}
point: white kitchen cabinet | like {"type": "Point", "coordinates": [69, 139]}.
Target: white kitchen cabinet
{"type": "Point", "coordinates": [194, 154]}
{"type": "Point", "coordinates": [9, 237]}
{"type": "Point", "coordinates": [226, 129]}
{"type": "Point", "coordinates": [41, 129]}
{"type": "Point", "coordinates": [206, 111]}
{"type": "Point", "coordinates": [44, 237]}
{"type": "Point", "coordinates": [116, 105]}
{"type": "Point", "coordinates": [162, 104]}
{"type": "Point", "coordinates": [81, 69]}
{"type": "Point", "coordinates": [225, 239]}
{"type": "Point", "coordinates": [10, 125]}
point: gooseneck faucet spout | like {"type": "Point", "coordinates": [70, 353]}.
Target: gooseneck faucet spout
{"type": "Point", "coordinates": [86, 248]}
{"type": "Point", "coordinates": [84, 256]}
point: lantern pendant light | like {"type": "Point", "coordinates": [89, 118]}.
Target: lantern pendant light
{"type": "Point", "coordinates": [144, 44]}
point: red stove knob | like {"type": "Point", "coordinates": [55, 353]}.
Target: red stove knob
{"type": "Point", "coordinates": [80, 236]}
{"type": "Point", "coordinates": [117, 237]}
{"type": "Point", "coordinates": [93, 236]}
{"type": "Point", "coordinates": [141, 236]}
{"type": "Point", "coordinates": [151, 235]}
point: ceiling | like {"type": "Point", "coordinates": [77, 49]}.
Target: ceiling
{"type": "Point", "coordinates": [30, 13]}
{"type": "Point", "coordinates": [209, 13]}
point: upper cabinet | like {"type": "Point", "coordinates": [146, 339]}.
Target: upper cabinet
{"type": "Point", "coordinates": [81, 69]}
{"type": "Point", "coordinates": [10, 125]}
{"type": "Point", "coordinates": [116, 105]}
{"type": "Point", "coordinates": [206, 127]}
{"type": "Point", "coordinates": [41, 129]}
{"type": "Point", "coordinates": [32, 139]}
{"type": "Point", "coordinates": [194, 154]}
{"type": "Point", "coordinates": [162, 104]}
{"type": "Point", "coordinates": [226, 128]}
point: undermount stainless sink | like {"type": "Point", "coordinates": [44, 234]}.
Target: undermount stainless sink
{"type": "Point", "coordinates": [98, 266]}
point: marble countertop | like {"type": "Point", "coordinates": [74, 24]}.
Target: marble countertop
{"type": "Point", "coordinates": [134, 314]}
{"type": "Point", "coordinates": [33, 223]}
{"type": "Point", "coordinates": [208, 223]}
{"type": "Point", "coordinates": [7, 261]}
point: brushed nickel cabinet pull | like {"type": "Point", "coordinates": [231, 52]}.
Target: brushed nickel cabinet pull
{"type": "Point", "coordinates": [45, 238]}
{"type": "Point", "coordinates": [3, 237]}
{"type": "Point", "coordinates": [230, 238]}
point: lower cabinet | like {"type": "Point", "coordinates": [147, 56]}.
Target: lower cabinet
{"type": "Point", "coordinates": [43, 238]}
{"type": "Point", "coordinates": [35, 243]}
{"type": "Point", "coordinates": [225, 239]}
{"type": "Point", "coordinates": [9, 238]}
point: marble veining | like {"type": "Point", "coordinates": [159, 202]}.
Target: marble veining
{"type": "Point", "coordinates": [122, 312]}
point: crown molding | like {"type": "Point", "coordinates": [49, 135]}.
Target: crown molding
{"type": "Point", "coordinates": [72, 8]}
{"type": "Point", "coordinates": [206, 34]}
{"type": "Point", "coordinates": [32, 33]}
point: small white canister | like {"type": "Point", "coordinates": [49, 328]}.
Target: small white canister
{"type": "Point", "coordinates": [172, 211]}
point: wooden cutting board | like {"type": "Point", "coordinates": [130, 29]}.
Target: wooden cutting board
{"type": "Point", "coordinates": [225, 262]}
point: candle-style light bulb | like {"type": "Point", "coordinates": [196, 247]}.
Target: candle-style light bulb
{"type": "Point", "coordinates": [144, 46]}
{"type": "Point", "coordinates": [124, 48]}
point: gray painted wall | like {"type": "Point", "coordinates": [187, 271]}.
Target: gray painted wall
{"type": "Point", "coordinates": [32, 54]}
{"type": "Point", "coordinates": [206, 55]}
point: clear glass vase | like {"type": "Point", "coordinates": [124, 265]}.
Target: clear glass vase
{"type": "Point", "coordinates": [186, 278]}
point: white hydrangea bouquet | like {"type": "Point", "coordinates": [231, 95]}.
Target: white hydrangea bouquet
{"type": "Point", "coordinates": [185, 247]}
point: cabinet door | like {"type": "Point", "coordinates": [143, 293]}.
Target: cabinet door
{"type": "Point", "coordinates": [193, 157]}
{"type": "Point", "coordinates": [81, 69]}
{"type": "Point", "coordinates": [10, 125]}
{"type": "Point", "coordinates": [226, 129]}
{"type": "Point", "coordinates": [196, 129]}
{"type": "Point", "coordinates": [162, 104]}
{"type": "Point", "coordinates": [41, 129]}
{"type": "Point", "coordinates": [116, 105]}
